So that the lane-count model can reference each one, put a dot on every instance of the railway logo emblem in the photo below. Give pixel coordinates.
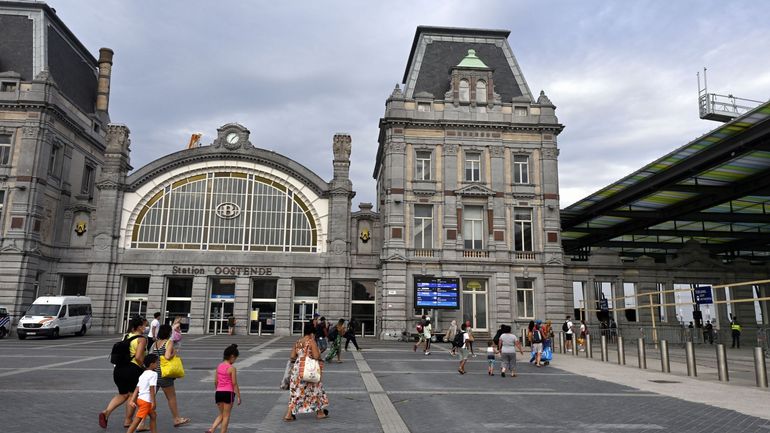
(228, 211)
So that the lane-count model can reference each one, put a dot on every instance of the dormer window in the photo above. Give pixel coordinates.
(465, 91)
(481, 92)
(8, 86)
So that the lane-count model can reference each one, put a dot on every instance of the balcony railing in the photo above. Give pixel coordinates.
(476, 254)
(524, 256)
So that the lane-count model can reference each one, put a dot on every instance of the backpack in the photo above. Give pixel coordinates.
(458, 340)
(419, 328)
(536, 336)
(333, 333)
(565, 327)
(121, 351)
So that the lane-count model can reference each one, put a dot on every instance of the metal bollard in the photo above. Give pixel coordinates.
(575, 351)
(363, 330)
(621, 352)
(689, 350)
(589, 347)
(561, 343)
(722, 363)
(605, 350)
(523, 336)
(641, 354)
(665, 365)
(259, 331)
(760, 370)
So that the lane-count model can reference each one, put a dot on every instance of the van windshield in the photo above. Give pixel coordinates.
(43, 310)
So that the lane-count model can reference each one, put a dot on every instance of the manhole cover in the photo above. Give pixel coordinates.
(665, 381)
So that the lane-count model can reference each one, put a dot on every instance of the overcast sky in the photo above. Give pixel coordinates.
(622, 74)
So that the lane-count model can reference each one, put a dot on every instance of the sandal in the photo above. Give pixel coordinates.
(182, 422)
(461, 371)
(102, 420)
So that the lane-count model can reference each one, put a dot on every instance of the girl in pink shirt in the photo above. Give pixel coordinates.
(226, 383)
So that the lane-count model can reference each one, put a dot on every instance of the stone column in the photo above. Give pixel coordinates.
(283, 309)
(394, 302)
(199, 306)
(242, 304)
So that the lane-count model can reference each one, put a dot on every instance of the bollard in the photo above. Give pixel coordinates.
(760, 370)
(363, 330)
(665, 365)
(722, 363)
(641, 354)
(605, 350)
(621, 352)
(523, 336)
(575, 350)
(689, 350)
(561, 343)
(589, 347)
(259, 331)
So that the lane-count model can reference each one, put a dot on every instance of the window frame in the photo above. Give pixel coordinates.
(418, 162)
(464, 94)
(87, 183)
(529, 298)
(471, 170)
(55, 158)
(423, 223)
(481, 92)
(520, 224)
(9, 150)
(521, 168)
(470, 237)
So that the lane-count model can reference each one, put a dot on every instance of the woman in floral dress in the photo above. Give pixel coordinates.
(305, 397)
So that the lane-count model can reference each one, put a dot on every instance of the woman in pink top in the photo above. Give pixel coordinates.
(226, 383)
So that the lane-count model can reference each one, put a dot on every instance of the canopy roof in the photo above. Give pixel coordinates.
(714, 190)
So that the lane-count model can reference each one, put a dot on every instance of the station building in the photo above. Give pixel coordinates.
(467, 187)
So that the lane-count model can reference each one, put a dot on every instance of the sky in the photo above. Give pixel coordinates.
(622, 74)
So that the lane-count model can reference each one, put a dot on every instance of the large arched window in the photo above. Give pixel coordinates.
(465, 91)
(481, 92)
(230, 210)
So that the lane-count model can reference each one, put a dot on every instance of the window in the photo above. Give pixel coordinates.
(422, 170)
(263, 305)
(2, 204)
(473, 167)
(74, 285)
(363, 307)
(87, 185)
(525, 298)
(472, 227)
(8, 86)
(522, 229)
(629, 301)
(179, 300)
(520, 169)
(481, 92)
(5, 149)
(423, 106)
(305, 288)
(423, 226)
(519, 111)
(662, 301)
(465, 91)
(53, 160)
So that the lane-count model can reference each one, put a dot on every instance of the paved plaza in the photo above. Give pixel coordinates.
(61, 385)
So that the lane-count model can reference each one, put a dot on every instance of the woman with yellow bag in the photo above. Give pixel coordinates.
(169, 369)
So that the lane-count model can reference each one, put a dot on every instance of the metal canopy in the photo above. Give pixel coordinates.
(714, 190)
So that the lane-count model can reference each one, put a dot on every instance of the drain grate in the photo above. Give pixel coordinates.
(665, 381)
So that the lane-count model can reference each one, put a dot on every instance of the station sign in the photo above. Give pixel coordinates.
(703, 295)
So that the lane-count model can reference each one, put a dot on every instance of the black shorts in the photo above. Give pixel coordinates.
(227, 397)
(126, 377)
(568, 337)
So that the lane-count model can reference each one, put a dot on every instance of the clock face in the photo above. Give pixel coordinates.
(232, 138)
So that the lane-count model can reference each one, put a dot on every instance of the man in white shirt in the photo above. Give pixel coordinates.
(568, 333)
(154, 326)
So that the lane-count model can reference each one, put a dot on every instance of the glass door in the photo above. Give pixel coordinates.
(220, 310)
(302, 313)
(474, 306)
(133, 307)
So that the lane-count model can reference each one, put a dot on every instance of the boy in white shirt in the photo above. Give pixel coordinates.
(144, 395)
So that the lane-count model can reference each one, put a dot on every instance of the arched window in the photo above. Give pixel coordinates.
(465, 91)
(234, 211)
(481, 92)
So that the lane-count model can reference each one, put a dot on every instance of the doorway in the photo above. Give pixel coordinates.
(221, 305)
(475, 303)
(136, 291)
(133, 307)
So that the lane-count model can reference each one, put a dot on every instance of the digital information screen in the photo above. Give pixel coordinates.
(431, 292)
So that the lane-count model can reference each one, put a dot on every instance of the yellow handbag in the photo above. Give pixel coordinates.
(171, 368)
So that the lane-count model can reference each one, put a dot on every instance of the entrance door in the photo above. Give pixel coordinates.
(219, 311)
(133, 307)
(475, 304)
(302, 313)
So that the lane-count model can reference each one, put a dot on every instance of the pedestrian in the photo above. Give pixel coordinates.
(736, 329)
(154, 325)
(164, 347)
(321, 334)
(450, 337)
(491, 351)
(231, 325)
(469, 334)
(420, 328)
(427, 334)
(305, 397)
(126, 373)
(583, 334)
(335, 341)
(144, 395)
(176, 333)
(227, 390)
(465, 351)
(566, 327)
(613, 330)
(708, 332)
(507, 347)
(537, 337)
(350, 334)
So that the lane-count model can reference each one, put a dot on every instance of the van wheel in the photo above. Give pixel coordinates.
(55, 333)
(22, 336)
(82, 331)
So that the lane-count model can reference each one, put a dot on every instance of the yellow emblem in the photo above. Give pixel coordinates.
(365, 235)
(80, 227)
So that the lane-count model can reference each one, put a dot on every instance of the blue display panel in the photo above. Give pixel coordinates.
(431, 292)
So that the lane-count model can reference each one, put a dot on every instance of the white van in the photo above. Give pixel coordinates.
(55, 315)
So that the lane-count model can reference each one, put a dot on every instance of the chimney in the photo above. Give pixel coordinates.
(105, 72)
